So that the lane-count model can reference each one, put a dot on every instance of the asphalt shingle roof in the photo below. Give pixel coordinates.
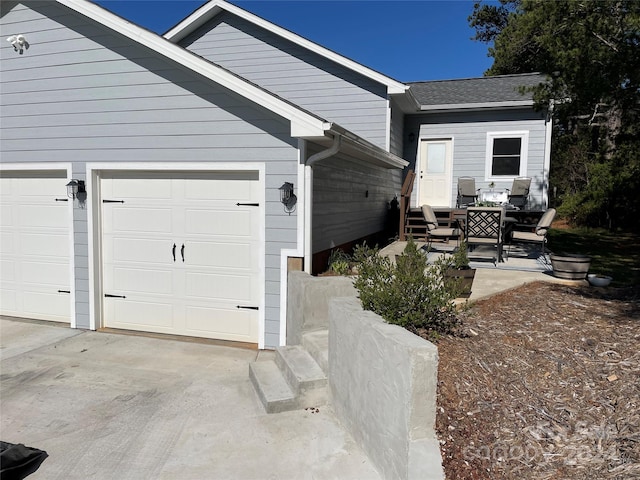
(482, 90)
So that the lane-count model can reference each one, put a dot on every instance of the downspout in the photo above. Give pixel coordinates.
(547, 158)
(313, 159)
(324, 154)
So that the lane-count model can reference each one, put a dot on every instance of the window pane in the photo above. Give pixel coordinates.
(436, 158)
(506, 166)
(506, 146)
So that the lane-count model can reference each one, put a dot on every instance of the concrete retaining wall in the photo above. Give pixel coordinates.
(308, 302)
(382, 382)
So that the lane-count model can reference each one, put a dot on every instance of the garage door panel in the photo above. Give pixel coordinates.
(147, 220)
(219, 323)
(38, 304)
(141, 250)
(37, 189)
(237, 256)
(6, 243)
(222, 287)
(52, 274)
(155, 189)
(136, 315)
(6, 216)
(225, 189)
(43, 216)
(52, 245)
(8, 299)
(140, 280)
(221, 222)
(8, 273)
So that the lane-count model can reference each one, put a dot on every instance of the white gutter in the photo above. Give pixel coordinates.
(308, 196)
(471, 106)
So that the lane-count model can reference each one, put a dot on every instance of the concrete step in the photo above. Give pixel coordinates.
(291, 380)
(303, 374)
(317, 344)
(272, 388)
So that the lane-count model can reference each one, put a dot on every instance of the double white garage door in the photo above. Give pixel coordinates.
(180, 253)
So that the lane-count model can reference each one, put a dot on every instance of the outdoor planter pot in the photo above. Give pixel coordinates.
(599, 280)
(570, 266)
(462, 278)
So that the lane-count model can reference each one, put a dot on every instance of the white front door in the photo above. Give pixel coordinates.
(34, 247)
(434, 174)
(180, 254)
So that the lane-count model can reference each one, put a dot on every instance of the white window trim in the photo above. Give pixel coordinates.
(491, 136)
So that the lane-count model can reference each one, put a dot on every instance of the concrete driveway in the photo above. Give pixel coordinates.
(108, 406)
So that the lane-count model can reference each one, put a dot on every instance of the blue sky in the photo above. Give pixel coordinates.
(406, 40)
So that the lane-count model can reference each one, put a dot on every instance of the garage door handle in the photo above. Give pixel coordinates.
(173, 251)
(182, 252)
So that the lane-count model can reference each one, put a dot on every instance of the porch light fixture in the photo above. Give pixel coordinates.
(74, 187)
(287, 197)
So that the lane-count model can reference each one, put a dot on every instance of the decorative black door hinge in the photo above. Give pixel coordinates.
(64, 291)
(112, 201)
(62, 199)
(247, 308)
(108, 295)
(247, 204)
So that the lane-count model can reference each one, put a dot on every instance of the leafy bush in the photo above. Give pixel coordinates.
(410, 293)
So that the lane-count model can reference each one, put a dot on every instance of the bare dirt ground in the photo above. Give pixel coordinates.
(543, 383)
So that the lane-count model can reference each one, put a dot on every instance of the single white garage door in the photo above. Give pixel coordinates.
(181, 254)
(34, 246)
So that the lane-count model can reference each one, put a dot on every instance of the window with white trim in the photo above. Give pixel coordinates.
(506, 155)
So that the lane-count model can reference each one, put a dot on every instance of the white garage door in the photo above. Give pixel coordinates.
(181, 254)
(34, 247)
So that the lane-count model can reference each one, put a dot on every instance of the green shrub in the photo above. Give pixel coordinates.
(410, 293)
(340, 262)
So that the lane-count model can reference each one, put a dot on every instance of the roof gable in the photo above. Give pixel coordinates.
(213, 8)
(303, 123)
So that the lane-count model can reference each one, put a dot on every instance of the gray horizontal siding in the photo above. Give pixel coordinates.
(292, 72)
(342, 211)
(83, 94)
(469, 134)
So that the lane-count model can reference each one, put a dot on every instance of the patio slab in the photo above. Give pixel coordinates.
(523, 265)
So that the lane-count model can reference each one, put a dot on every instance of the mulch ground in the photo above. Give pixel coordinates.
(543, 383)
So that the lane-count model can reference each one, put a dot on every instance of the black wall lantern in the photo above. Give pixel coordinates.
(287, 197)
(74, 187)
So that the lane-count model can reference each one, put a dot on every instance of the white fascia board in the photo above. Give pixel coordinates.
(301, 121)
(211, 9)
(367, 151)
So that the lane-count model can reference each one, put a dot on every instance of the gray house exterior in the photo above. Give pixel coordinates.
(184, 144)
